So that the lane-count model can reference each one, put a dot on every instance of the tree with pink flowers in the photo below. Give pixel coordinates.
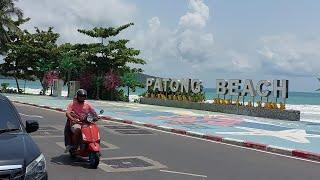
(47, 80)
(111, 81)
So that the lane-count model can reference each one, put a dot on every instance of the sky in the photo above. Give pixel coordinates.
(201, 39)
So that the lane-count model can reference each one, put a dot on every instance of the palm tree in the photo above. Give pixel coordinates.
(8, 11)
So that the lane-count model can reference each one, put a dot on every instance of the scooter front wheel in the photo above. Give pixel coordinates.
(94, 159)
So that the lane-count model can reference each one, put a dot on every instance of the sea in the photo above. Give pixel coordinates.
(306, 102)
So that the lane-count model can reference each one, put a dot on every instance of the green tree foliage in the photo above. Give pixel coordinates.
(16, 63)
(44, 52)
(112, 56)
(29, 56)
(70, 62)
(130, 81)
(4, 87)
(10, 18)
(100, 32)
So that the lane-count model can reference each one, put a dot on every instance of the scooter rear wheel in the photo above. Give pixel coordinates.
(94, 159)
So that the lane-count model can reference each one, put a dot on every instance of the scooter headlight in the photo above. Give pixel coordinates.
(36, 169)
(90, 118)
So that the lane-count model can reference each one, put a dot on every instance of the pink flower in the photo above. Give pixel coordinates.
(111, 81)
(49, 77)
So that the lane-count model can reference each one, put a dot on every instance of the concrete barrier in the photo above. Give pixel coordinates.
(291, 115)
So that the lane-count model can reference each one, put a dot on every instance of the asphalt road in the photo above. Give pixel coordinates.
(159, 155)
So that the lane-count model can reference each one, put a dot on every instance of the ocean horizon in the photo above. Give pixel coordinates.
(295, 98)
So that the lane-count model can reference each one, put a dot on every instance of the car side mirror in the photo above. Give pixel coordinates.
(32, 126)
(101, 111)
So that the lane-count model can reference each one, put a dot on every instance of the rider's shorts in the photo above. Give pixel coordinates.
(75, 127)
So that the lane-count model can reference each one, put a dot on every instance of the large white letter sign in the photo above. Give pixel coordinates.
(185, 85)
(174, 85)
(149, 82)
(283, 88)
(234, 87)
(195, 86)
(165, 82)
(221, 87)
(248, 88)
(158, 85)
(259, 88)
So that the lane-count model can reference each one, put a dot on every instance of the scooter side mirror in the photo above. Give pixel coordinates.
(101, 111)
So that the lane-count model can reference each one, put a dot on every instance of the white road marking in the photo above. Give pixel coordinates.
(267, 152)
(116, 168)
(188, 174)
(31, 115)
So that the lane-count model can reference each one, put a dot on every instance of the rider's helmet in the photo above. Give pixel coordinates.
(81, 95)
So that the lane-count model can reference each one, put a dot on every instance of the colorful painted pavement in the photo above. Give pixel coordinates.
(301, 135)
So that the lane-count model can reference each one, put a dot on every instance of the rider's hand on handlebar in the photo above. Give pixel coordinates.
(75, 120)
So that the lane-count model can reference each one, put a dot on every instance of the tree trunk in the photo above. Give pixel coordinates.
(68, 82)
(98, 88)
(17, 84)
(128, 93)
(24, 88)
(98, 92)
(43, 88)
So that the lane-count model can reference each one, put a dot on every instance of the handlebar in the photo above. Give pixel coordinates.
(95, 117)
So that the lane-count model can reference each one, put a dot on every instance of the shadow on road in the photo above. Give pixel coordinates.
(65, 159)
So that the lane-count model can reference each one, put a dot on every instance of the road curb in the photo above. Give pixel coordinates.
(255, 145)
(279, 150)
(213, 138)
(127, 121)
(195, 134)
(306, 155)
(232, 141)
(179, 131)
(252, 145)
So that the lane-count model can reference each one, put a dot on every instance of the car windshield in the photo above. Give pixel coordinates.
(8, 117)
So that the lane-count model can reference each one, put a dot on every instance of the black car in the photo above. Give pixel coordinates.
(20, 157)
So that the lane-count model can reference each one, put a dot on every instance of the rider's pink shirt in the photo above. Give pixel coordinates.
(80, 109)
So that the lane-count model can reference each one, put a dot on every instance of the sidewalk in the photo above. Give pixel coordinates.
(276, 135)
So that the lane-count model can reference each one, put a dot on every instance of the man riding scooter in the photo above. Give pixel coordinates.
(81, 129)
(76, 112)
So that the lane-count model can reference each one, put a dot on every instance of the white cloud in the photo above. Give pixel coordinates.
(290, 54)
(154, 23)
(188, 49)
(197, 16)
(177, 50)
(240, 61)
(66, 16)
(188, 45)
